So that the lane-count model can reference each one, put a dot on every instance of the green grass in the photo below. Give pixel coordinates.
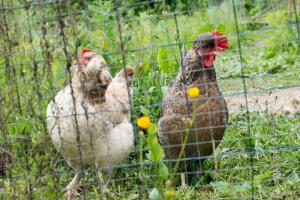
(275, 166)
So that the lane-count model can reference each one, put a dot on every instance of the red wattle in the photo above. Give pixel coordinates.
(209, 60)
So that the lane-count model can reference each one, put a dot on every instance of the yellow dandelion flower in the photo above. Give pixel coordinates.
(143, 122)
(193, 92)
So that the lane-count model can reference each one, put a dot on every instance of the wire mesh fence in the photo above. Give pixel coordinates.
(225, 131)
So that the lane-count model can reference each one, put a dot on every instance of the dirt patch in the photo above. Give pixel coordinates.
(275, 101)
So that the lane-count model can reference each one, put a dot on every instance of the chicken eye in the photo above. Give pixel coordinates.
(205, 46)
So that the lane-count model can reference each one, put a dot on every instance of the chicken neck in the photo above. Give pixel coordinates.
(96, 96)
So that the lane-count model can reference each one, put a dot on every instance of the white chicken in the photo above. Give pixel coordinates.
(89, 120)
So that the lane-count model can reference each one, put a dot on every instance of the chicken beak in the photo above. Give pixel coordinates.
(105, 78)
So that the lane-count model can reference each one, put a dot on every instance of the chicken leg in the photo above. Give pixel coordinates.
(73, 186)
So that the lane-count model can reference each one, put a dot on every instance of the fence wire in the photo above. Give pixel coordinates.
(47, 101)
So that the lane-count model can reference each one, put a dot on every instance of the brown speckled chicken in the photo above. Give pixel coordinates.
(197, 70)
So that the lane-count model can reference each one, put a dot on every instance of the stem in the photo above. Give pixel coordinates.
(141, 150)
(187, 131)
(141, 146)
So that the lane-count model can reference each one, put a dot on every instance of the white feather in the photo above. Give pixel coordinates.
(104, 131)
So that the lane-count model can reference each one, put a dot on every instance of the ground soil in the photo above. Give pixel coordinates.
(276, 101)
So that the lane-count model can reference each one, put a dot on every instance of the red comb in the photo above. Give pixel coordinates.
(84, 51)
(221, 42)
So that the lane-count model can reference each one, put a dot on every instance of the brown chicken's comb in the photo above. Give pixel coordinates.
(220, 41)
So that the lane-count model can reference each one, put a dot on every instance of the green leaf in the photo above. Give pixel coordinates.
(156, 153)
(221, 28)
(145, 111)
(163, 171)
(163, 60)
(152, 141)
(206, 28)
(267, 174)
(152, 129)
(21, 127)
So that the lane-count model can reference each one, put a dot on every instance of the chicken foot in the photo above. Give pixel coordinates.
(73, 186)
